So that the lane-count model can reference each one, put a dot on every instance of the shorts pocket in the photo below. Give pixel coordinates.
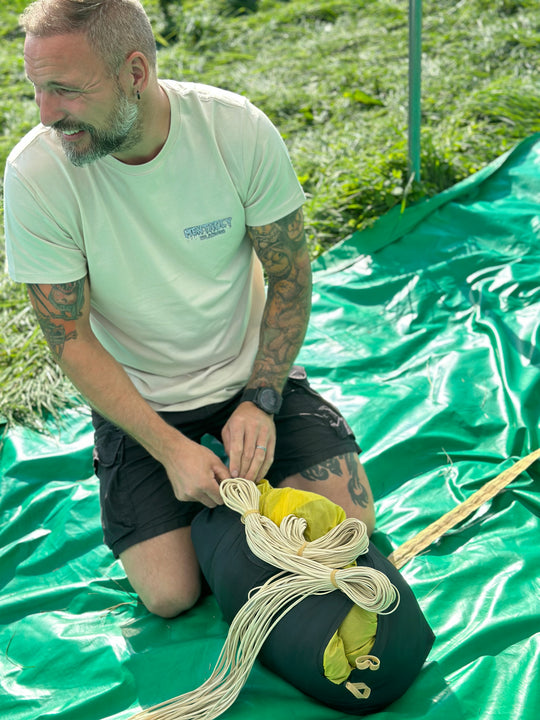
(108, 448)
(117, 512)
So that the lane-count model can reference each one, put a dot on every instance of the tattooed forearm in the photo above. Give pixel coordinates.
(282, 249)
(57, 308)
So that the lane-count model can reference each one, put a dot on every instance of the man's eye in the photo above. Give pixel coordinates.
(68, 92)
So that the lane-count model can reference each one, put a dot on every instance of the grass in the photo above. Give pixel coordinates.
(332, 75)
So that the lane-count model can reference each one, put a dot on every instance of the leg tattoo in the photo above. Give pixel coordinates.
(324, 470)
(334, 466)
(357, 491)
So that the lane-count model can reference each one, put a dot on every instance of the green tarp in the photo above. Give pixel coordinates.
(431, 347)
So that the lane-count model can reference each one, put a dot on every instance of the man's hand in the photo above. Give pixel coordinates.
(249, 438)
(195, 472)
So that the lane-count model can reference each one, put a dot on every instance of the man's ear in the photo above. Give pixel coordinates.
(135, 73)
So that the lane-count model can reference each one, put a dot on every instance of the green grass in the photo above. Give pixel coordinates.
(332, 75)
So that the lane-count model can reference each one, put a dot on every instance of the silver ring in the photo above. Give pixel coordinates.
(260, 447)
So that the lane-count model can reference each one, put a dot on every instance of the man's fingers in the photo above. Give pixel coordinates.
(268, 460)
(207, 493)
(261, 460)
(236, 452)
(249, 439)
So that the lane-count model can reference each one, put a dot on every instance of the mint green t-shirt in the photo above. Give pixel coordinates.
(177, 292)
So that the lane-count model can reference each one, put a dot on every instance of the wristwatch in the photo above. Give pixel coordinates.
(265, 398)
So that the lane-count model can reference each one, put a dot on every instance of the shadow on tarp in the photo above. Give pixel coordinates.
(425, 332)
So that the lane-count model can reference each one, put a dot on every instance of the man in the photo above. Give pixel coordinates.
(139, 213)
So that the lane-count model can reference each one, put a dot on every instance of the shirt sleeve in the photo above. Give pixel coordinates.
(273, 190)
(38, 249)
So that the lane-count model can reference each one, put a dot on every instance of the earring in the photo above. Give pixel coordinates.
(138, 95)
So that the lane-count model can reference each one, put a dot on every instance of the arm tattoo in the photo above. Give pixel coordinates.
(282, 250)
(57, 308)
(334, 466)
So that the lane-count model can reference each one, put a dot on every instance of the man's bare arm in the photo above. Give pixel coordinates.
(282, 249)
(249, 435)
(63, 312)
(58, 307)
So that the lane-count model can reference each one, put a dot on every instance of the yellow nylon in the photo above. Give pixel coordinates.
(321, 514)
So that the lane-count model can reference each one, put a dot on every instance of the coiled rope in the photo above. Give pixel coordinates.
(308, 568)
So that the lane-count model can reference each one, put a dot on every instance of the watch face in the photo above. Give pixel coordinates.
(269, 400)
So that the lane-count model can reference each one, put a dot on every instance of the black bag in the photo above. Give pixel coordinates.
(295, 648)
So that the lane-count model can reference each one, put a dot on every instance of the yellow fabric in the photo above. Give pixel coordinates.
(321, 514)
(353, 638)
(356, 634)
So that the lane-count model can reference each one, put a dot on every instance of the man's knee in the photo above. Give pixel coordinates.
(164, 572)
(168, 603)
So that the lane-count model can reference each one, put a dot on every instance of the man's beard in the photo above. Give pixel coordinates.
(123, 132)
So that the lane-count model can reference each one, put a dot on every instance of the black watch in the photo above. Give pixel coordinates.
(265, 398)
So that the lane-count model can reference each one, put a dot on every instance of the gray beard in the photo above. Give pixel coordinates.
(124, 132)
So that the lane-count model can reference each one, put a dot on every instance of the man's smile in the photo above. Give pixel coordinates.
(72, 134)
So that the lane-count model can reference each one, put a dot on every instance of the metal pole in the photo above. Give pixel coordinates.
(415, 83)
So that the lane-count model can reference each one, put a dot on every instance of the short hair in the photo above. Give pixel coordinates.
(114, 28)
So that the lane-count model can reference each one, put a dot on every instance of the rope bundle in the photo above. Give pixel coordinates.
(321, 559)
(316, 567)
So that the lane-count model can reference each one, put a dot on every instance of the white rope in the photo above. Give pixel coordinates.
(318, 570)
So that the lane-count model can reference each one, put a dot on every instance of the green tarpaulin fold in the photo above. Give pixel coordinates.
(426, 333)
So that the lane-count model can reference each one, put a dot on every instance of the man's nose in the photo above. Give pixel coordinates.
(50, 110)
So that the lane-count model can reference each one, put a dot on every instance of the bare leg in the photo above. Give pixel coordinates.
(343, 480)
(164, 572)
